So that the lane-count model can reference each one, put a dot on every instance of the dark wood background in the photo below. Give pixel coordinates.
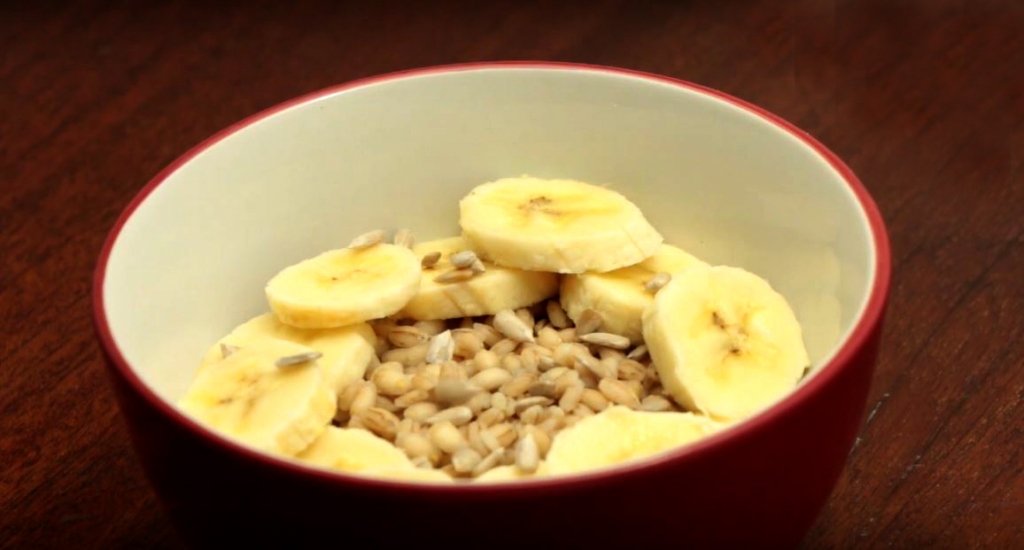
(922, 98)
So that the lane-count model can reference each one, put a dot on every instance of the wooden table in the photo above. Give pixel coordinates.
(924, 99)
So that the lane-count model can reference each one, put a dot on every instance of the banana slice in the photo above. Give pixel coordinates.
(508, 473)
(359, 451)
(562, 226)
(486, 293)
(347, 351)
(344, 287)
(724, 342)
(409, 474)
(250, 399)
(620, 296)
(618, 435)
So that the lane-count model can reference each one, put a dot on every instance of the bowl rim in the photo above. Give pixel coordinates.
(870, 317)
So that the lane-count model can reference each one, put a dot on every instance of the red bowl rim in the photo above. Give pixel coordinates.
(870, 317)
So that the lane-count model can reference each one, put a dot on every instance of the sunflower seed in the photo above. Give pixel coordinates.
(366, 240)
(638, 353)
(404, 237)
(226, 350)
(618, 392)
(454, 276)
(441, 349)
(658, 281)
(298, 359)
(509, 324)
(463, 259)
(477, 266)
(430, 259)
(606, 339)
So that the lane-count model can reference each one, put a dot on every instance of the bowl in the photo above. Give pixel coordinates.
(723, 179)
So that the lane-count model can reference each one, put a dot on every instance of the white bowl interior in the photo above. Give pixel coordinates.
(715, 179)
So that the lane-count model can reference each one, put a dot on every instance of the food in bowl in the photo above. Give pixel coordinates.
(556, 335)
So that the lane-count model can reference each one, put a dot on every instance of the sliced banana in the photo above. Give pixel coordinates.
(344, 287)
(359, 451)
(248, 398)
(347, 351)
(621, 296)
(484, 293)
(724, 342)
(556, 225)
(618, 435)
(409, 474)
(503, 474)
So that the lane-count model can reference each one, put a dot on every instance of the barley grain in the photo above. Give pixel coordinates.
(489, 461)
(568, 335)
(411, 398)
(594, 399)
(606, 339)
(467, 343)
(381, 422)
(446, 436)
(386, 404)
(556, 315)
(491, 417)
(485, 359)
(618, 392)
(505, 434)
(504, 347)
(407, 336)
(479, 402)
(364, 399)
(465, 459)
(391, 383)
(631, 370)
(571, 398)
(420, 412)
(417, 445)
(655, 403)
(518, 385)
(432, 327)
(487, 333)
(511, 363)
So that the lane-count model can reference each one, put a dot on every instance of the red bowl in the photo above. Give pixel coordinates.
(187, 259)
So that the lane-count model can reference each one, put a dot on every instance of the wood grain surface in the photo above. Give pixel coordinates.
(924, 99)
